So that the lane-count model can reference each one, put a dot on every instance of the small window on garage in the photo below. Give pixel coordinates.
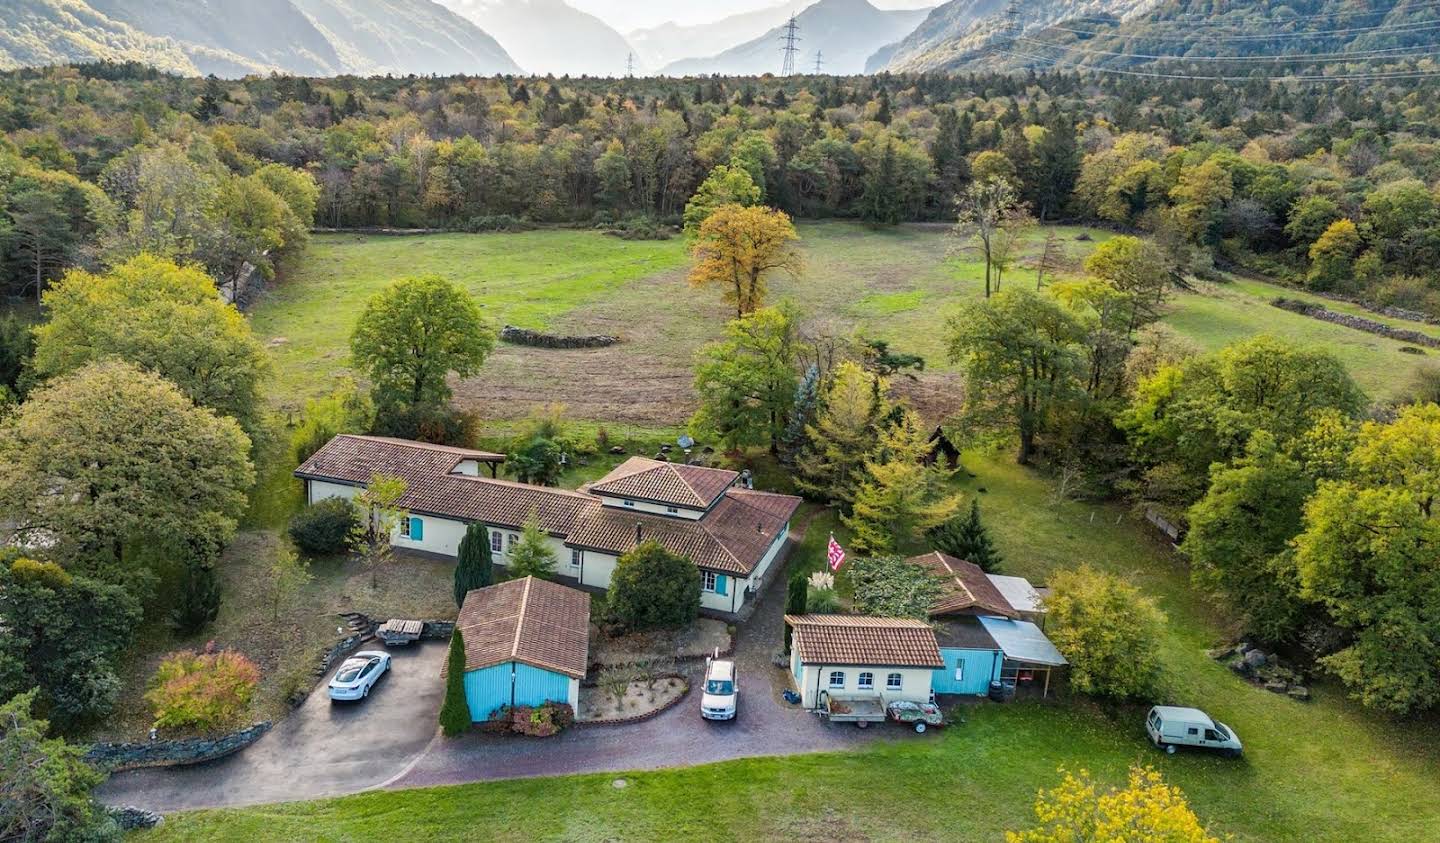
(867, 680)
(837, 678)
(893, 682)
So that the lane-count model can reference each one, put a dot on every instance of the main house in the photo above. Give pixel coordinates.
(731, 532)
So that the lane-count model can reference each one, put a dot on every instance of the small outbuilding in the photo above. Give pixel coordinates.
(527, 642)
(1030, 657)
(855, 655)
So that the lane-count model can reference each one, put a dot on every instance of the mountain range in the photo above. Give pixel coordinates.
(660, 45)
(230, 38)
(551, 36)
(844, 32)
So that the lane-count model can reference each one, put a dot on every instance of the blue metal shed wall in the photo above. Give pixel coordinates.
(487, 689)
(980, 667)
(534, 686)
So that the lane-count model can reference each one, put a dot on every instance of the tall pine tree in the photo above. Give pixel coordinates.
(966, 538)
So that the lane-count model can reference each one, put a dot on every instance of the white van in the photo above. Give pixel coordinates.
(722, 692)
(1171, 726)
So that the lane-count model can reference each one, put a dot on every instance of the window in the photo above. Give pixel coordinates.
(1211, 735)
(1192, 731)
(628, 502)
(959, 670)
(574, 558)
(405, 527)
(673, 510)
(867, 680)
(497, 542)
(511, 544)
(707, 580)
(837, 678)
(892, 682)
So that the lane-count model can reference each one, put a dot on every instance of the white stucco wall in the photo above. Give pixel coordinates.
(320, 490)
(574, 694)
(914, 682)
(651, 508)
(437, 535)
(598, 569)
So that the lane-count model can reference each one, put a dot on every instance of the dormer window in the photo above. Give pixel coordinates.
(673, 510)
(629, 503)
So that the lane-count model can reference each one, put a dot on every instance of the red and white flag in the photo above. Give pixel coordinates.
(835, 553)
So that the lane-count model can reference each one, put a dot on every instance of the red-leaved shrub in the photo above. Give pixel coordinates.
(203, 691)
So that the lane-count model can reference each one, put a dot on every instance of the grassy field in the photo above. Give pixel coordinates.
(898, 285)
(1325, 770)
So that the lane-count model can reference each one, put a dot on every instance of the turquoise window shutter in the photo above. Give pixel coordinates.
(720, 583)
(417, 530)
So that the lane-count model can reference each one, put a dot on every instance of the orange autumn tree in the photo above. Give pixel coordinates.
(738, 248)
(1146, 810)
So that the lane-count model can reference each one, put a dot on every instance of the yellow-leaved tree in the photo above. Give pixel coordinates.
(1145, 810)
(739, 248)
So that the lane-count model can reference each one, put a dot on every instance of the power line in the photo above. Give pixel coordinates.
(1347, 55)
(818, 62)
(1418, 26)
(790, 39)
(630, 64)
(1346, 77)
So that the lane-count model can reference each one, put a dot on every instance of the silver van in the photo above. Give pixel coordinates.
(1171, 726)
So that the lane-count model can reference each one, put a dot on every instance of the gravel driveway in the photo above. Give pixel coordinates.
(675, 738)
(321, 749)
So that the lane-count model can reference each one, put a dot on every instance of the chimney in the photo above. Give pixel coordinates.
(760, 528)
(638, 532)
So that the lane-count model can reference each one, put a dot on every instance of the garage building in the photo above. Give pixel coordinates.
(856, 655)
(526, 644)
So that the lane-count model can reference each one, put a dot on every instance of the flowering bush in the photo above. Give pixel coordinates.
(204, 691)
(1145, 809)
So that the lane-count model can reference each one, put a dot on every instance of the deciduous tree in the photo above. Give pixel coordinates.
(109, 455)
(414, 334)
(725, 185)
(1109, 632)
(1146, 810)
(377, 516)
(163, 318)
(738, 249)
(891, 587)
(747, 382)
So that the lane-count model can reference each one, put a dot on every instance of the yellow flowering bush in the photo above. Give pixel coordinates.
(1146, 810)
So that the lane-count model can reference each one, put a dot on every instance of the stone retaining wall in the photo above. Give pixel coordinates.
(1359, 323)
(536, 339)
(617, 721)
(114, 757)
(437, 630)
(130, 818)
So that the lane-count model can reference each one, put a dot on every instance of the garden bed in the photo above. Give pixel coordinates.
(696, 641)
(643, 698)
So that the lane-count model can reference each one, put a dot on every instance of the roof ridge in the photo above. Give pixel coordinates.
(959, 581)
(520, 622)
(415, 443)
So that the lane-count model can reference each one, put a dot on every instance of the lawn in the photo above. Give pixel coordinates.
(896, 284)
(1325, 770)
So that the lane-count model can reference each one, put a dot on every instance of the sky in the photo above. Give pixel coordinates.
(627, 15)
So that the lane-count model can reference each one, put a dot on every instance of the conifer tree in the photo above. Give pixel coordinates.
(532, 555)
(900, 496)
(844, 433)
(455, 715)
(474, 567)
(966, 538)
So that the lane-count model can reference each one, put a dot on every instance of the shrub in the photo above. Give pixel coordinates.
(541, 721)
(1145, 809)
(474, 567)
(822, 601)
(890, 587)
(204, 691)
(323, 528)
(455, 715)
(198, 603)
(495, 222)
(436, 424)
(45, 783)
(346, 410)
(1109, 632)
(653, 588)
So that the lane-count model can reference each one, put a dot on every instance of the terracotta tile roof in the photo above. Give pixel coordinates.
(663, 482)
(533, 621)
(732, 538)
(863, 640)
(430, 488)
(966, 588)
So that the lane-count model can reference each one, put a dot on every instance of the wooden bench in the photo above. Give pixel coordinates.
(397, 632)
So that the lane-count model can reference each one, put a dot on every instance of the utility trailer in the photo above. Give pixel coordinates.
(860, 709)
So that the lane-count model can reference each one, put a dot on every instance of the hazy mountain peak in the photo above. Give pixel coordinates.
(550, 36)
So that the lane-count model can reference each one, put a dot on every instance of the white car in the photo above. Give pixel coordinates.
(722, 693)
(358, 675)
